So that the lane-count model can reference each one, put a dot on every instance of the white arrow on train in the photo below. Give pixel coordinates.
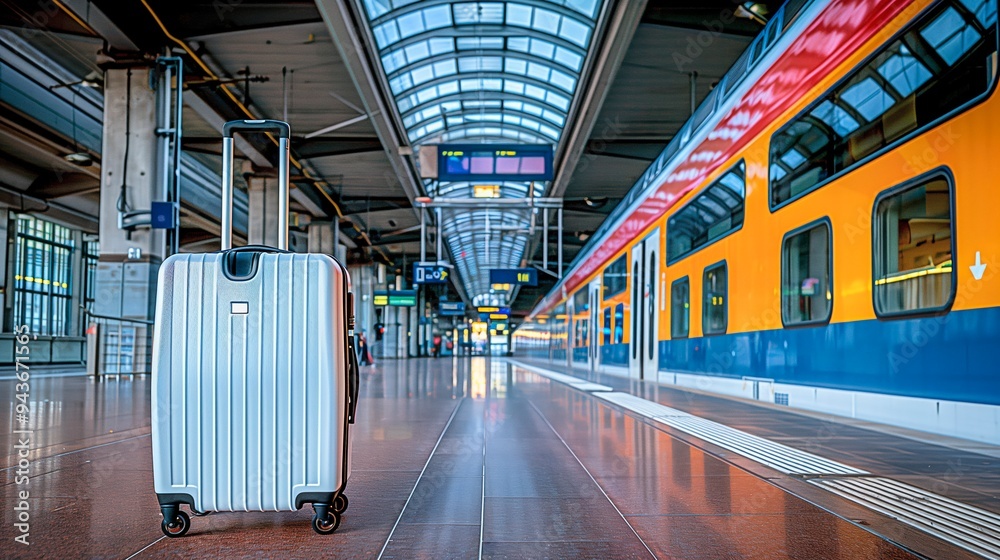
(978, 269)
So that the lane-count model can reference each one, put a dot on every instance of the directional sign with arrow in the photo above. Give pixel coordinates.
(978, 269)
(430, 274)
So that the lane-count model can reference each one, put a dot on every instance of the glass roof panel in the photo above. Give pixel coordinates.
(479, 43)
(481, 13)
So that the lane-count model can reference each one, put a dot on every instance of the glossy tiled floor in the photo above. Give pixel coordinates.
(453, 458)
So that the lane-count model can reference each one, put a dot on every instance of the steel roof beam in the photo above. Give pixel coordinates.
(477, 96)
(424, 4)
(488, 203)
(357, 49)
(480, 30)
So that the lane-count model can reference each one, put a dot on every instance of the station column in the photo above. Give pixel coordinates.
(323, 239)
(129, 256)
(262, 226)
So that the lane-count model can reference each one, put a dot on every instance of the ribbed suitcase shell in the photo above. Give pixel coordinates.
(250, 408)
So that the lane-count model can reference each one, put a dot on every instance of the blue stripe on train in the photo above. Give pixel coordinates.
(614, 354)
(950, 357)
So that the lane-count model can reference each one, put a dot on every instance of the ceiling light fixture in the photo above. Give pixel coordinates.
(753, 10)
(82, 159)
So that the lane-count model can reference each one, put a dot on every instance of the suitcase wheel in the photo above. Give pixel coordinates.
(178, 526)
(326, 519)
(340, 503)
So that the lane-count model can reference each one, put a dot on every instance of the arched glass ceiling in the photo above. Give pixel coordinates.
(483, 72)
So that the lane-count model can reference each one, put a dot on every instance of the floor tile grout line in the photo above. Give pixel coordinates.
(422, 471)
(586, 470)
(482, 506)
(145, 548)
(37, 459)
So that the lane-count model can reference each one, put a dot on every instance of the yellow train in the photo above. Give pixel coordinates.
(822, 233)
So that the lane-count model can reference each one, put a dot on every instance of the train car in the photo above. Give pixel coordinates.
(821, 233)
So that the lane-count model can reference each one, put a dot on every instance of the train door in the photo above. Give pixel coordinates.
(577, 329)
(594, 350)
(644, 278)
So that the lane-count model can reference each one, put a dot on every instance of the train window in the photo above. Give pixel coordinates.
(704, 110)
(942, 62)
(806, 291)
(792, 9)
(619, 323)
(737, 72)
(606, 332)
(711, 215)
(680, 308)
(913, 248)
(715, 287)
(615, 278)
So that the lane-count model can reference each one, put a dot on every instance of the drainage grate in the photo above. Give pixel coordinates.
(781, 398)
(775, 455)
(963, 525)
(642, 407)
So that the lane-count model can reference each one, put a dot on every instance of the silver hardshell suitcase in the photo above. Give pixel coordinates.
(254, 373)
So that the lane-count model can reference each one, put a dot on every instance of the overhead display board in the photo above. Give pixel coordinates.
(451, 309)
(523, 276)
(493, 309)
(495, 162)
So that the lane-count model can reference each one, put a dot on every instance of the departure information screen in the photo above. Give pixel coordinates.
(494, 162)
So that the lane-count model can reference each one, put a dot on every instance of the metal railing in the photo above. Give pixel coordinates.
(118, 346)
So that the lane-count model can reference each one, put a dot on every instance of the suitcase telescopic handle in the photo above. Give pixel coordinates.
(228, 130)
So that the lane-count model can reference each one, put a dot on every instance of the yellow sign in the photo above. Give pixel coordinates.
(486, 191)
(453, 153)
(487, 309)
(382, 300)
(501, 286)
(499, 316)
(523, 277)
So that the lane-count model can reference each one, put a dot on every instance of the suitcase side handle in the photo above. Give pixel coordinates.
(353, 369)
(230, 128)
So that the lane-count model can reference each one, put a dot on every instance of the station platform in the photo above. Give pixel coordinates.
(500, 458)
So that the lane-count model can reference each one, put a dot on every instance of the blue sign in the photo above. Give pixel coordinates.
(162, 215)
(430, 274)
(495, 162)
(451, 309)
(525, 276)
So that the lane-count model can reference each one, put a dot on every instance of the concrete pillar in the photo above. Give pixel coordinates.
(262, 226)
(6, 283)
(126, 271)
(412, 331)
(322, 238)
